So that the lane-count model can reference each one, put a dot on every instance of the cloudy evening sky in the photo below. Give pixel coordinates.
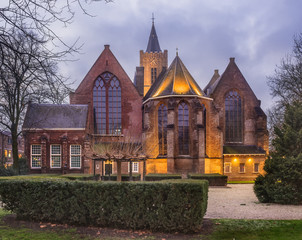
(207, 33)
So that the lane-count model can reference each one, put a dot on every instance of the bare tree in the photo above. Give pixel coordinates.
(39, 16)
(286, 84)
(30, 48)
(26, 77)
(125, 150)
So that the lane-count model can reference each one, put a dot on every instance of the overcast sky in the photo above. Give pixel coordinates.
(207, 33)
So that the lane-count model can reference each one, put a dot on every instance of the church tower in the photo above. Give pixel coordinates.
(152, 62)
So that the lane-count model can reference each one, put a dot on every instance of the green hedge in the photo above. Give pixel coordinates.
(215, 179)
(157, 206)
(159, 176)
(81, 177)
(125, 177)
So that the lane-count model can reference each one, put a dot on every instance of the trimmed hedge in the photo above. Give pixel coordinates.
(125, 177)
(215, 179)
(81, 177)
(158, 206)
(159, 176)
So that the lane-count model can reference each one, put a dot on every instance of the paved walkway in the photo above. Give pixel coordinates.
(238, 201)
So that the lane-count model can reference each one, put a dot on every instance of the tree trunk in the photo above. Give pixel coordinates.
(15, 150)
(119, 171)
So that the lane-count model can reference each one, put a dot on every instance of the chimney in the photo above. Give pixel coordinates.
(106, 46)
(232, 59)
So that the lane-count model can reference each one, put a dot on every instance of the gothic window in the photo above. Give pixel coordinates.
(233, 118)
(107, 105)
(153, 75)
(162, 129)
(183, 129)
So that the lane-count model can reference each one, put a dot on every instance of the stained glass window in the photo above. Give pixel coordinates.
(162, 129)
(183, 129)
(107, 105)
(233, 118)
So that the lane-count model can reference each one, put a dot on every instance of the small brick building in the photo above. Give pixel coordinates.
(220, 129)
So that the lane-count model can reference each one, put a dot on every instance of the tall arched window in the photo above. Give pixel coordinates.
(107, 105)
(233, 118)
(162, 129)
(183, 129)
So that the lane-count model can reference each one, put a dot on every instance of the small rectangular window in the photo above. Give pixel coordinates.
(55, 156)
(242, 167)
(135, 167)
(75, 156)
(36, 153)
(227, 167)
(256, 167)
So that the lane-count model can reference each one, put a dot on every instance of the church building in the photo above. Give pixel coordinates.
(184, 128)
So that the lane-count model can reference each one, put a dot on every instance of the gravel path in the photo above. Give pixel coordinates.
(238, 201)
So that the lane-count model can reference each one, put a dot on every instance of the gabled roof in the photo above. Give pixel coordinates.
(175, 81)
(153, 44)
(213, 82)
(56, 116)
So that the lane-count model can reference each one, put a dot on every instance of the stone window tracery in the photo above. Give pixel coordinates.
(162, 129)
(183, 129)
(107, 105)
(233, 118)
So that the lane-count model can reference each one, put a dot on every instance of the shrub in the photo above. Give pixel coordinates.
(7, 171)
(125, 177)
(157, 206)
(215, 179)
(81, 177)
(161, 176)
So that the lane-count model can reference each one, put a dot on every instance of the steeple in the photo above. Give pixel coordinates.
(153, 44)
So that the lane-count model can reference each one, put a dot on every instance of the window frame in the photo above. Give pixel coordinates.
(233, 108)
(186, 130)
(107, 115)
(230, 166)
(163, 141)
(133, 164)
(240, 164)
(153, 75)
(75, 155)
(31, 156)
(55, 155)
(258, 164)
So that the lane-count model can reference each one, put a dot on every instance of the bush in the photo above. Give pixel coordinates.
(7, 171)
(215, 179)
(157, 206)
(125, 177)
(81, 177)
(159, 176)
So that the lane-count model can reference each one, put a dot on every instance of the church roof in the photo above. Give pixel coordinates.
(56, 116)
(213, 83)
(153, 44)
(175, 81)
(243, 150)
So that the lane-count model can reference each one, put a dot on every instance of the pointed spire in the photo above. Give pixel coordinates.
(153, 44)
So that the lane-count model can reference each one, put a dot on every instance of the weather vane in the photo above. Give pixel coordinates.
(152, 18)
(176, 51)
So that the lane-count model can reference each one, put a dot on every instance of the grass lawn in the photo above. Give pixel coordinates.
(221, 229)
